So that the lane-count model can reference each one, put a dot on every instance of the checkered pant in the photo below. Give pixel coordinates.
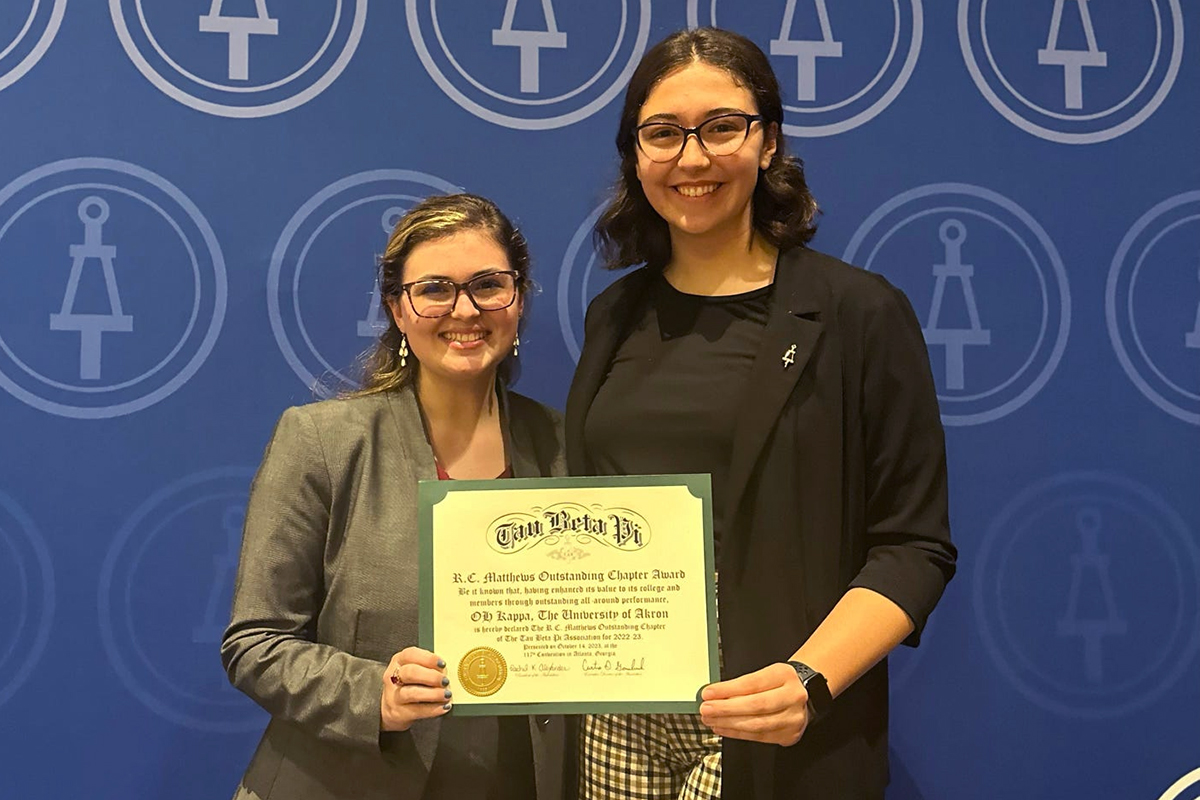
(649, 757)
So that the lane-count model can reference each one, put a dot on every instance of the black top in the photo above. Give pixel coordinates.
(672, 393)
(837, 478)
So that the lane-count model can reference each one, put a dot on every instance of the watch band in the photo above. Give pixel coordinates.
(820, 701)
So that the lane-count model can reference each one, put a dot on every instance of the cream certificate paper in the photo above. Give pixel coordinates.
(570, 595)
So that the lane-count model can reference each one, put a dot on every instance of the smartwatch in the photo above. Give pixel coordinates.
(820, 701)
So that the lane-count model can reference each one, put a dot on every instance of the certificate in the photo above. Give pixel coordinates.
(570, 595)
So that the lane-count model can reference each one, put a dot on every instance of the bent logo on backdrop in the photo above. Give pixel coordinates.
(322, 289)
(1186, 788)
(839, 64)
(580, 279)
(240, 58)
(112, 288)
(1073, 71)
(1087, 593)
(165, 590)
(988, 286)
(27, 595)
(530, 64)
(27, 29)
(1152, 305)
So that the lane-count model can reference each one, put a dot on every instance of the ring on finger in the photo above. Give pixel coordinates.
(395, 677)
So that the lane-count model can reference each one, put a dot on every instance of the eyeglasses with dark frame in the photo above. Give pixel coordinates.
(722, 135)
(437, 297)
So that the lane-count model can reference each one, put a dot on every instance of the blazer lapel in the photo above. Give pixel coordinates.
(793, 330)
(612, 313)
(518, 447)
(415, 443)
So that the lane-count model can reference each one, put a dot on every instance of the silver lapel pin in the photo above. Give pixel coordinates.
(789, 357)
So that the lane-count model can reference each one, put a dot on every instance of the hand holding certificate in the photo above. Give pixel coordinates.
(570, 595)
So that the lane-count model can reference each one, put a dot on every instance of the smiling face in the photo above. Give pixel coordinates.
(699, 194)
(466, 344)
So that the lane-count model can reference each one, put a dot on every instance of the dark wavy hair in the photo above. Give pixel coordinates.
(630, 231)
(434, 218)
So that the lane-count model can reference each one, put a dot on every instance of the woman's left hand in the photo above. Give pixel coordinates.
(770, 705)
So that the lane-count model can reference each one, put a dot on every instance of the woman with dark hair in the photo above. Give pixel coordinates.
(324, 617)
(803, 386)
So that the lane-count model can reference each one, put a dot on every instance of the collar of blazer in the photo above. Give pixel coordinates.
(793, 329)
(518, 442)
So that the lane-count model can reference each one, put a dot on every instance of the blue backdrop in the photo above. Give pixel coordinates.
(192, 195)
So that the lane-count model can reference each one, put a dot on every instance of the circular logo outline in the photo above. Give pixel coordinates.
(642, 38)
(284, 243)
(43, 44)
(36, 545)
(160, 82)
(220, 287)
(872, 111)
(195, 312)
(112, 604)
(1176, 789)
(1112, 312)
(1081, 482)
(1056, 264)
(582, 234)
(1050, 134)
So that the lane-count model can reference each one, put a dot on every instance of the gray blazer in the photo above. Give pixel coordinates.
(326, 592)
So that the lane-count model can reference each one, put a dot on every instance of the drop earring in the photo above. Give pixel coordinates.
(516, 345)
(403, 350)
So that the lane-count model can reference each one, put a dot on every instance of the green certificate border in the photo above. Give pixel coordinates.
(430, 493)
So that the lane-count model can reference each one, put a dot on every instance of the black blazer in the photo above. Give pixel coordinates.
(838, 479)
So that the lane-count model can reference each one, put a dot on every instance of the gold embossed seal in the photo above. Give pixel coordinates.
(482, 671)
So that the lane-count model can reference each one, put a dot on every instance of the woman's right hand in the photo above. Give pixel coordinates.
(414, 687)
